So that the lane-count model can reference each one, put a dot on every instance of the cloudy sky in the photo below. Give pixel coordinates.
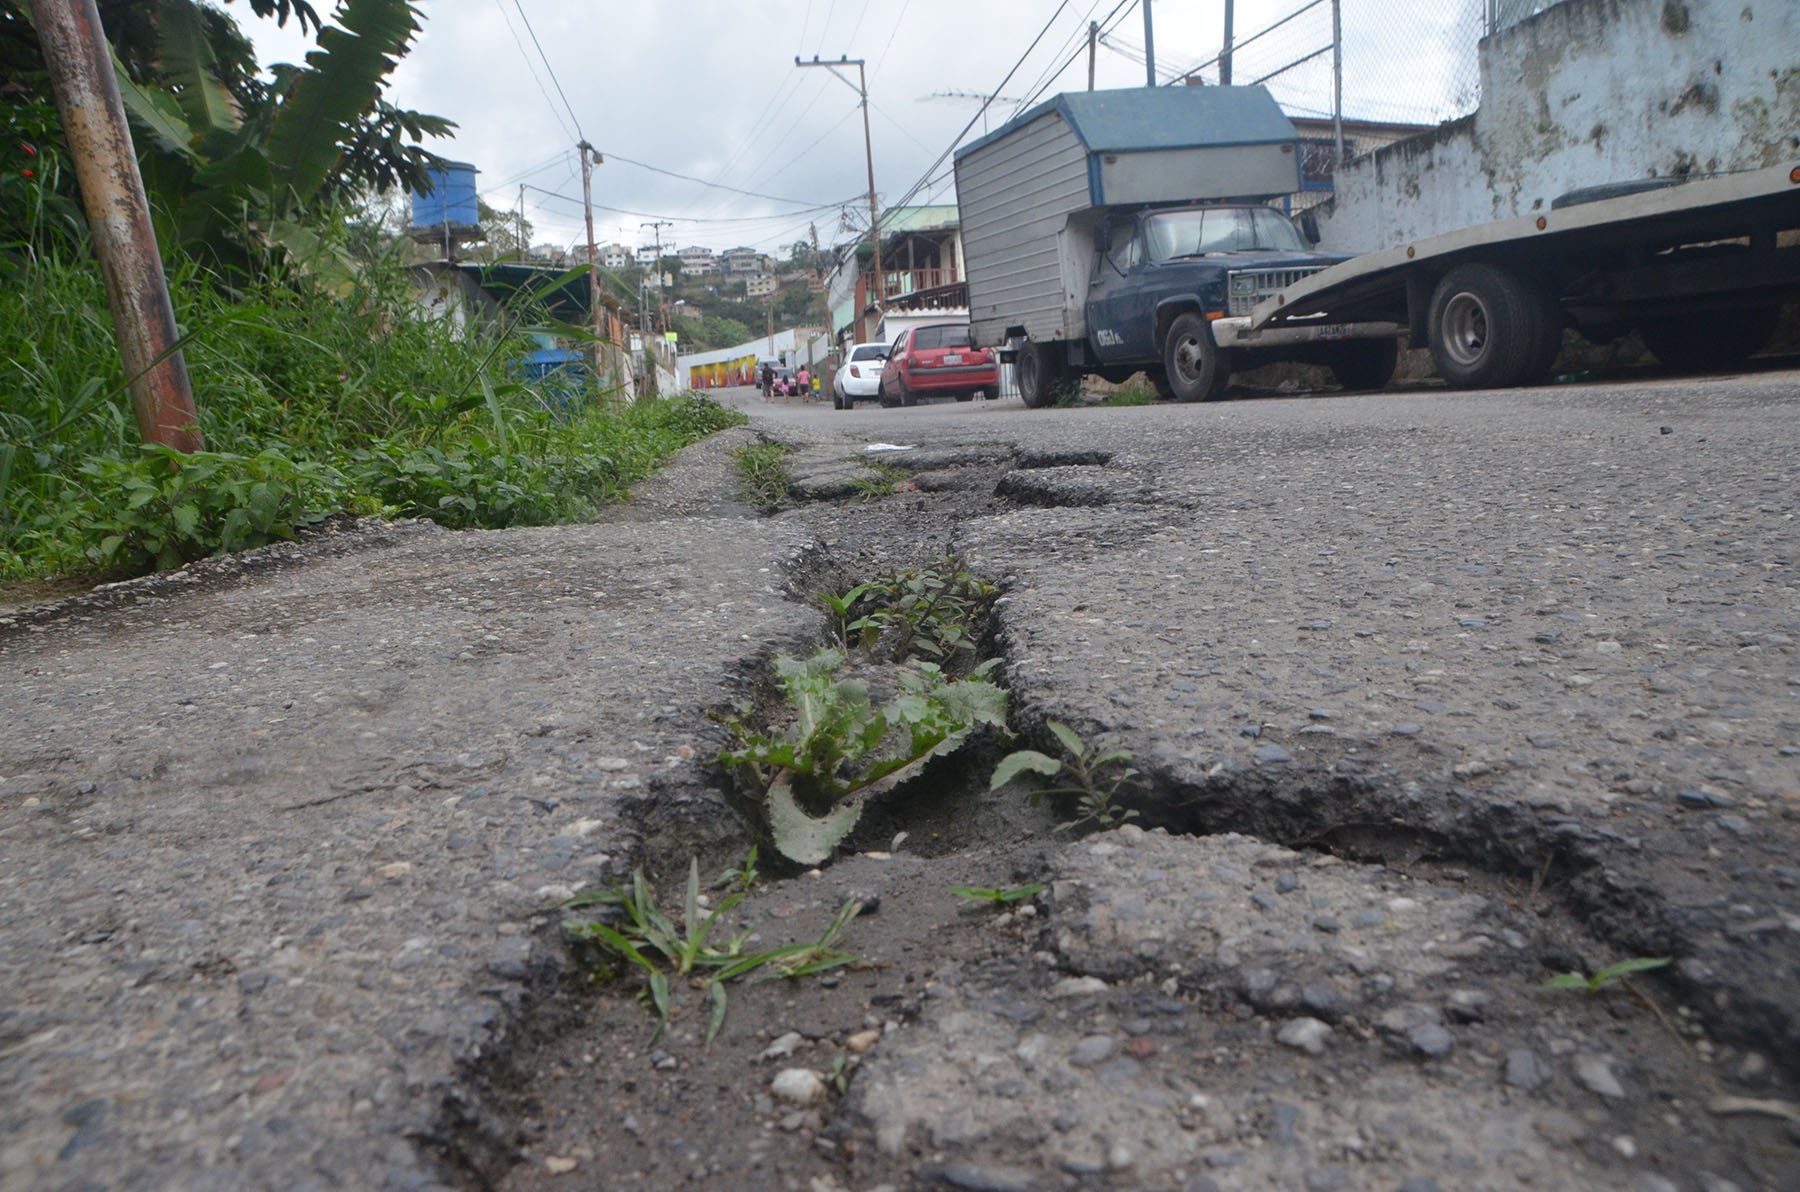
(704, 120)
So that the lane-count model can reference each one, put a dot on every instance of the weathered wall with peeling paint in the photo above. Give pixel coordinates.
(1587, 92)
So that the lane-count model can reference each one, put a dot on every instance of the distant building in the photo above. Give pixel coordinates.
(744, 260)
(759, 285)
(697, 259)
(646, 254)
(615, 256)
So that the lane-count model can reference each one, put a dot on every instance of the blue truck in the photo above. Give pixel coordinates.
(1113, 232)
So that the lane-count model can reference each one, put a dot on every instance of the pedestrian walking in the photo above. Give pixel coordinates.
(803, 379)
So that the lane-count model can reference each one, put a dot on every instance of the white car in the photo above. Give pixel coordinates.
(860, 377)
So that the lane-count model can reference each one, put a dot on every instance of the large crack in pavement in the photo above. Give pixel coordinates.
(280, 888)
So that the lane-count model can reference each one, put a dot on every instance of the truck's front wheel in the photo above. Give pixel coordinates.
(1038, 372)
(1196, 368)
(1490, 329)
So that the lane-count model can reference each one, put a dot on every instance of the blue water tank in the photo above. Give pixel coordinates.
(452, 198)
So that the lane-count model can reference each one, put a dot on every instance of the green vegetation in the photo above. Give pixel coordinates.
(743, 876)
(932, 613)
(1606, 976)
(840, 749)
(998, 896)
(1092, 776)
(1130, 395)
(642, 932)
(762, 471)
(320, 385)
(313, 401)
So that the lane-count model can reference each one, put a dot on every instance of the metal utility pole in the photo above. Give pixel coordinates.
(588, 157)
(1093, 41)
(80, 63)
(1150, 45)
(861, 86)
(1225, 54)
(1337, 82)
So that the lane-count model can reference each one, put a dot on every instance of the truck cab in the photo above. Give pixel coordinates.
(1212, 260)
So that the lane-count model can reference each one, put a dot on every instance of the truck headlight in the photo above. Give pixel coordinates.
(1242, 284)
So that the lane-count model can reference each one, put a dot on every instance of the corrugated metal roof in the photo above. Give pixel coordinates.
(1135, 119)
(937, 217)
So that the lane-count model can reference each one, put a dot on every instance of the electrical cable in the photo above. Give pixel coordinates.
(532, 70)
(703, 182)
(984, 106)
(553, 79)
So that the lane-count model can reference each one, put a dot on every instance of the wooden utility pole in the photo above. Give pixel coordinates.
(1093, 41)
(662, 312)
(861, 87)
(588, 157)
(80, 63)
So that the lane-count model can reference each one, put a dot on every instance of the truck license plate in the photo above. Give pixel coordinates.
(1334, 331)
(953, 358)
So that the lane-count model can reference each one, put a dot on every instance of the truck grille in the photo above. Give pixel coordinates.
(1247, 287)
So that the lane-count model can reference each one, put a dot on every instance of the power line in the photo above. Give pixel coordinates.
(532, 71)
(551, 69)
(696, 218)
(703, 182)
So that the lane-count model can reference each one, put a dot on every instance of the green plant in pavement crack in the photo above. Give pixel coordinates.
(934, 613)
(1606, 976)
(1093, 776)
(998, 896)
(763, 473)
(644, 937)
(841, 748)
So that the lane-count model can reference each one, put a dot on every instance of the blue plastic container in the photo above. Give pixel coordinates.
(452, 198)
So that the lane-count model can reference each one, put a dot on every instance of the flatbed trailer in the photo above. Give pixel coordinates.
(1700, 268)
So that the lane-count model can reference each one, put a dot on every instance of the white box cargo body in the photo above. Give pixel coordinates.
(1029, 191)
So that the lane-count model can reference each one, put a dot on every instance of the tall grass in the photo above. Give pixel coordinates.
(318, 393)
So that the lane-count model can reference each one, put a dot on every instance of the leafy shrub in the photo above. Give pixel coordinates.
(162, 508)
(333, 393)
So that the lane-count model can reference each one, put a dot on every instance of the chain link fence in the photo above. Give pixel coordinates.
(1404, 61)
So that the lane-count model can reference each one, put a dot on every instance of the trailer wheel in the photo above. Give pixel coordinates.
(1712, 340)
(1038, 373)
(1365, 363)
(1195, 367)
(1488, 328)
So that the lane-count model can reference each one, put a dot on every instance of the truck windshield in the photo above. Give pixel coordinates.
(1195, 231)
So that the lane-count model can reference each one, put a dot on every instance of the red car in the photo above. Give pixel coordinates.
(937, 360)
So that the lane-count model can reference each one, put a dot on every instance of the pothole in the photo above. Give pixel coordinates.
(1181, 1006)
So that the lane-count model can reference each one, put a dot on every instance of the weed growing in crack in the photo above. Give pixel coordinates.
(1092, 775)
(1606, 976)
(933, 613)
(998, 896)
(743, 877)
(887, 481)
(840, 749)
(762, 471)
(643, 931)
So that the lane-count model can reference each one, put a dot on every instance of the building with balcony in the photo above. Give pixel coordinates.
(744, 260)
(921, 271)
(697, 259)
(615, 256)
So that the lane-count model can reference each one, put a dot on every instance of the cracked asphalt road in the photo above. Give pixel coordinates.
(280, 839)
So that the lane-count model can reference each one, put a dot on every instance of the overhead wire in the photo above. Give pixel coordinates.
(551, 69)
(531, 69)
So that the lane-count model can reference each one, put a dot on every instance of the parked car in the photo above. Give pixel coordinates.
(937, 360)
(860, 377)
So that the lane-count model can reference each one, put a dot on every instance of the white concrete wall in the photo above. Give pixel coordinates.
(1584, 93)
